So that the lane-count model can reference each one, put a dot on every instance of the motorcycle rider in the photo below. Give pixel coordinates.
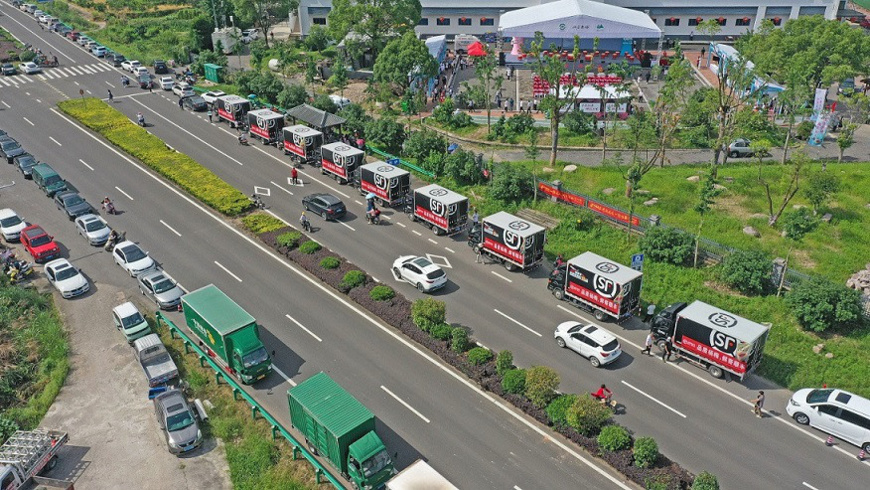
(108, 205)
(141, 119)
(303, 220)
(603, 394)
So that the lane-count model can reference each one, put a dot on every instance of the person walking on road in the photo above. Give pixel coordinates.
(758, 404)
(647, 344)
(111, 97)
(650, 311)
(294, 176)
(209, 114)
(181, 103)
(666, 350)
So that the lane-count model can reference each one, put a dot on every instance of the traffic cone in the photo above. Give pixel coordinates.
(861, 455)
(830, 441)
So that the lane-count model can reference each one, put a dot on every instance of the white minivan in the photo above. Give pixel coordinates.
(836, 412)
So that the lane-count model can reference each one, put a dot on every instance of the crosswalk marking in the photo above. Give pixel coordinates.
(76, 70)
(55, 73)
(88, 70)
(5, 82)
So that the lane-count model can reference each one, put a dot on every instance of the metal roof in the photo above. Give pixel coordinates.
(330, 404)
(507, 221)
(341, 149)
(315, 117)
(381, 167)
(266, 114)
(723, 321)
(233, 99)
(605, 267)
(565, 18)
(301, 129)
(218, 309)
(441, 194)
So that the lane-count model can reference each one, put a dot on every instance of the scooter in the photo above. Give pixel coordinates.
(109, 207)
(373, 217)
(609, 403)
(243, 140)
(258, 202)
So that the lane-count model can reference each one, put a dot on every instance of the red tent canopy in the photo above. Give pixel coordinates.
(476, 49)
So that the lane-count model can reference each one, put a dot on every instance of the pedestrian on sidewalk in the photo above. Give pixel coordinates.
(703, 52)
(758, 404)
(647, 344)
(511, 102)
(536, 105)
(650, 311)
(666, 350)
(648, 75)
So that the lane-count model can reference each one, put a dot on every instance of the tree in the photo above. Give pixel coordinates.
(747, 271)
(292, 96)
(200, 33)
(356, 118)
(263, 14)
(339, 77)
(706, 194)
(373, 22)
(491, 80)
(796, 167)
(710, 27)
(845, 139)
(421, 143)
(667, 245)
(310, 72)
(386, 134)
(533, 151)
(795, 227)
(317, 39)
(511, 183)
(463, 167)
(324, 103)
(794, 103)
(638, 132)
(550, 70)
(402, 60)
(820, 304)
(819, 188)
(736, 86)
(541, 385)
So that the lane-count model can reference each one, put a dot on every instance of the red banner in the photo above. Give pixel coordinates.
(561, 195)
(612, 213)
(602, 80)
(593, 297)
(503, 250)
(260, 132)
(291, 147)
(431, 217)
(226, 115)
(331, 167)
(368, 186)
(712, 355)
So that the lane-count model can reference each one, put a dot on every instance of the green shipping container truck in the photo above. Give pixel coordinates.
(341, 429)
(228, 332)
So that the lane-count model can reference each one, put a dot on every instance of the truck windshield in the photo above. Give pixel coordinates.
(375, 464)
(256, 357)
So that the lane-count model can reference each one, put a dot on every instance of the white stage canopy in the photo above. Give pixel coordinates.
(567, 18)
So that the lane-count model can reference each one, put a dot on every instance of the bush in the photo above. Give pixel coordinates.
(659, 482)
(262, 223)
(309, 247)
(646, 452)
(504, 362)
(442, 332)
(330, 263)
(511, 183)
(463, 166)
(557, 410)
(8, 427)
(747, 271)
(514, 381)
(386, 134)
(804, 130)
(705, 481)
(587, 415)
(459, 340)
(579, 123)
(382, 293)
(357, 119)
(289, 240)
(820, 304)
(421, 143)
(324, 103)
(428, 313)
(292, 96)
(541, 385)
(614, 438)
(797, 224)
(520, 124)
(479, 356)
(352, 279)
(667, 245)
(443, 112)
(26, 56)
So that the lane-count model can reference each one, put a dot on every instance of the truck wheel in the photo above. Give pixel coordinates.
(801, 418)
(560, 342)
(436, 230)
(51, 463)
(715, 371)
(508, 266)
(559, 294)
(599, 315)
(661, 344)
(411, 216)
(595, 362)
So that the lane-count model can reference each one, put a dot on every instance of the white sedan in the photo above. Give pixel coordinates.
(30, 68)
(93, 228)
(66, 278)
(130, 65)
(210, 97)
(133, 259)
(166, 83)
(420, 272)
(11, 225)
(183, 90)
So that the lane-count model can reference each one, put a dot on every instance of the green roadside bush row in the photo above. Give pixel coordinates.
(177, 167)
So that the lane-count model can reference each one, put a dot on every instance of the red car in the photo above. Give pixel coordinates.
(39, 244)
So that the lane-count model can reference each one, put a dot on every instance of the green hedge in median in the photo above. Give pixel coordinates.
(177, 167)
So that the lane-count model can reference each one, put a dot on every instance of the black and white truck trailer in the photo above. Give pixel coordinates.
(232, 109)
(389, 183)
(265, 125)
(590, 281)
(513, 241)
(302, 143)
(340, 161)
(442, 210)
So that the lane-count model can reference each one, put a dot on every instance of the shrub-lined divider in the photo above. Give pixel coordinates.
(638, 459)
(184, 171)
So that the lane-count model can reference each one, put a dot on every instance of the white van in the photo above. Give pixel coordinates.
(835, 412)
(462, 41)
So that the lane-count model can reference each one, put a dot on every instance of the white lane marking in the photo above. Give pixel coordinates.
(809, 486)
(43, 77)
(109, 84)
(433, 241)
(334, 189)
(416, 233)
(501, 276)
(188, 132)
(77, 83)
(125, 194)
(86, 69)
(517, 488)
(449, 250)
(28, 121)
(358, 202)
(672, 409)
(86, 165)
(89, 92)
(7, 105)
(303, 328)
(402, 225)
(170, 228)
(262, 191)
(76, 71)
(545, 435)
(275, 368)
(406, 404)
(5, 82)
(237, 278)
(518, 323)
(38, 101)
(56, 141)
(278, 186)
(346, 225)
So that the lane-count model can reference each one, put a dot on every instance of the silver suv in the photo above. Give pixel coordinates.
(740, 148)
(177, 421)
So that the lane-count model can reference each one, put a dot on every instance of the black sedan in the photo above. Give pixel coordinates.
(9, 149)
(72, 204)
(326, 205)
(8, 69)
(25, 164)
(194, 103)
(145, 81)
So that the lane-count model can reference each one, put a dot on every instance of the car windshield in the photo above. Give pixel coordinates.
(40, 240)
(27, 161)
(95, 225)
(132, 320)
(10, 221)
(9, 145)
(73, 201)
(164, 284)
(256, 357)
(180, 420)
(54, 179)
(375, 464)
(66, 273)
(819, 396)
(133, 253)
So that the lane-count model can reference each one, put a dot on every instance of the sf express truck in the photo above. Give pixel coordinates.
(340, 161)
(341, 430)
(389, 183)
(28, 453)
(265, 125)
(513, 241)
(302, 143)
(228, 333)
(232, 109)
(711, 338)
(442, 210)
(597, 284)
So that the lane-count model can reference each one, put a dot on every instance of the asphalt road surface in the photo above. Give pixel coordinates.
(701, 422)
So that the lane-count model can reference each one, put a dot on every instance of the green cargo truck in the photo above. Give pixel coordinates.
(229, 334)
(341, 429)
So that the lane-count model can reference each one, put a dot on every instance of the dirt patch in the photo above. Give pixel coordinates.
(8, 51)
(721, 288)
(802, 259)
(733, 205)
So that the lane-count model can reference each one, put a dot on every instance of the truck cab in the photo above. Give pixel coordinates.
(368, 463)
(250, 359)
(663, 323)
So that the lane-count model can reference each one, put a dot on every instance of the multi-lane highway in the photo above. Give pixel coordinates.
(699, 421)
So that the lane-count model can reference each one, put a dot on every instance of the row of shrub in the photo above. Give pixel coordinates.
(184, 171)
(579, 418)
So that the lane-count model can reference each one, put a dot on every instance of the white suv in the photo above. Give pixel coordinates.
(130, 322)
(590, 341)
(836, 412)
